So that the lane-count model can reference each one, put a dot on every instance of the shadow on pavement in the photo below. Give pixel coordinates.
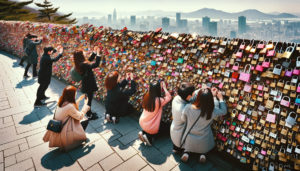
(56, 159)
(38, 114)
(25, 83)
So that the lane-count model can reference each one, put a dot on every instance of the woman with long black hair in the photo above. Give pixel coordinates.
(198, 136)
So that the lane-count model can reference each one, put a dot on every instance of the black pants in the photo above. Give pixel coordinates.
(41, 92)
(90, 98)
(22, 60)
(177, 148)
(34, 73)
(149, 136)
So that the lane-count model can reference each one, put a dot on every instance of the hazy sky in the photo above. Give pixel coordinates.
(107, 6)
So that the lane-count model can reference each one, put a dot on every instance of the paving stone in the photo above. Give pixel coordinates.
(96, 167)
(165, 164)
(10, 160)
(4, 125)
(73, 167)
(133, 164)
(124, 151)
(126, 125)
(133, 135)
(204, 166)
(111, 162)
(1, 166)
(111, 135)
(36, 139)
(147, 168)
(95, 153)
(23, 146)
(4, 103)
(24, 165)
(1, 156)
(182, 167)
(11, 151)
(5, 107)
(12, 144)
(31, 169)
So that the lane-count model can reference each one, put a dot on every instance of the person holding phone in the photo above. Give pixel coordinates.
(117, 97)
(198, 137)
(32, 58)
(67, 111)
(45, 73)
(85, 68)
(153, 104)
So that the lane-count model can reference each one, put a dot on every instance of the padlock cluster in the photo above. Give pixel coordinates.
(260, 80)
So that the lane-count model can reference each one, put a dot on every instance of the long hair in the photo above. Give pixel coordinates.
(68, 95)
(205, 102)
(78, 59)
(150, 97)
(111, 80)
(185, 90)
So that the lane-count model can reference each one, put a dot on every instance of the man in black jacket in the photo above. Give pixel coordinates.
(45, 73)
(25, 42)
(32, 58)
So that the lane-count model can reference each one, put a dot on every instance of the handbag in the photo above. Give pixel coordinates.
(56, 125)
(75, 75)
(189, 131)
(84, 124)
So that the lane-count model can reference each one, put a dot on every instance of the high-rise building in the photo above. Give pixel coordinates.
(165, 22)
(242, 24)
(184, 23)
(178, 19)
(115, 16)
(122, 22)
(232, 34)
(205, 23)
(213, 28)
(133, 20)
(109, 18)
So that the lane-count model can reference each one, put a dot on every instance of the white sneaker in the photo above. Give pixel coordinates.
(202, 158)
(114, 119)
(146, 140)
(141, 136)
(107, 117)
(185, 157)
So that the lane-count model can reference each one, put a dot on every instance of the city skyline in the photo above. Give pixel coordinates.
(125, 7)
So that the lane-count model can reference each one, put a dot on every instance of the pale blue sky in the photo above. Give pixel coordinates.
(107, 6)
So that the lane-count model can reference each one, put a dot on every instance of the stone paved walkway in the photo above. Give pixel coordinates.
(111, 147)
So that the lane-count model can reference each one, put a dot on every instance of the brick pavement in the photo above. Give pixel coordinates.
(111, 147)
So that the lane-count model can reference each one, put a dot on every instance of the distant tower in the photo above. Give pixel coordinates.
(109, 18)
(178, 19)
(205, 23)
(213, 28)
(115, 16)
(165, 22)
(242, 24)
(133, 20)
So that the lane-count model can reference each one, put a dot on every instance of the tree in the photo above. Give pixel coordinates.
(49, 12)
(11, 10)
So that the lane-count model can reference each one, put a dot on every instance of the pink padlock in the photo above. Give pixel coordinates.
(245, 75)
(248, 88)
(266, 63)
(298, 88)
(235, 67)
(271, 53)
(239, 53)
(296, 71)
(260, 87)
(227, 64)
(259, 67)
(285, 101)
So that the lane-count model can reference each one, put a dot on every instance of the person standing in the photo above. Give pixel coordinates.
(85, 69)
(45, 73)
(25, 42)
(198, 137)
(153, 104)
(32, 59)
(184, 95)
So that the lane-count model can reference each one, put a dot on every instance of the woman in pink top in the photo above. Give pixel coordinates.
(152, 109)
